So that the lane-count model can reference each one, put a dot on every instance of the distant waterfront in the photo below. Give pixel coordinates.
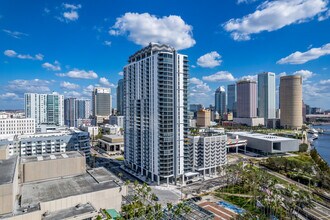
(322, 144)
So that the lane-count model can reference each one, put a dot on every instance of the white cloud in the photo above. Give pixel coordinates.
(12, 53)
(198, 85)
(105, 82)
(145, 28)
(68, 85)
(325, 82)
(54, 67)
(23, 86)
(79, 74)
(220, 76)
(70, 12)
(15, 34)
(9, 96)
(250, 77)
(71, 6)
(107, 43)
(199, 91)
(306, 74)
(121, 73)
(209, 60)
(71, 15)
(88, 90)
(245, 1)
(274, 15)
(303, 57)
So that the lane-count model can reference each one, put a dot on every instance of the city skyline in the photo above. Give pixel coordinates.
(68, 48)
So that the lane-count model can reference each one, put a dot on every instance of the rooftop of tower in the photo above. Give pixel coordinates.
(146, 51)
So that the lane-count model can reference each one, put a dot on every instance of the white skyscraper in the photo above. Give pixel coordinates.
(155, 110)
(266, 95)
(45, 108)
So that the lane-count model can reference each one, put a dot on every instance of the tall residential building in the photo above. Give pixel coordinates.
(266, 95)
(155, 110)
(83, 108)
(231, 98)
(220, 100)
(70, 117)
(102, 104)
(291, 101)
(45, 108)
(120, 97)
(246, 99)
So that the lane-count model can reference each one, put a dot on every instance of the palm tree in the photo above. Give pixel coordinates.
(120, 175)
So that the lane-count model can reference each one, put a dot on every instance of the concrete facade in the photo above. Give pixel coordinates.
(267, 144)
(203, 118)
(250, 121)
(36, 168)
(208, 152)
(112, 144)
(291, 101)
(12, 126)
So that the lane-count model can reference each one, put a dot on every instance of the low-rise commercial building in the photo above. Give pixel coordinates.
(13, 126)
(112, 144)
(250, 121)
(60, 188)
(267, 144)
(111, 129)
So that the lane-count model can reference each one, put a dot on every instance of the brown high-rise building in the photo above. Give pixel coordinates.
(291, 101)
(203, 118)
(246, 99)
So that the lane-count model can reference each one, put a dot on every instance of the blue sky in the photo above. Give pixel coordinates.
(71, 46)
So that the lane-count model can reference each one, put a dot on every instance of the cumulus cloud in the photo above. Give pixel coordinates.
(249, 77)
(15, 34)
(303, 57)
(79, 74)
(274, 15)
(22, 86)
(198, 85)
(199, 91)
(145, 28)
(209, 60)
(70, 12)
(72, 94)
(54, 67)
(121, 73)
(9, 96)
(68, 85)
(105, 82)
(306, 74)
(325, 82)
(13, 54)
(220, 76)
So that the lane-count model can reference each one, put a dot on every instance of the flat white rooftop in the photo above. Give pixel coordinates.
(265, 137)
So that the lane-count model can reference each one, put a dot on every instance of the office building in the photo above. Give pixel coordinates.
(56, 186)
(231, 99)
(112, 144)
(203, 118)
(75, 109)
(13, 126)
(102, 104)
(266, 96)
(156, 119)
(83, 108)
(117, 120)
(70, 112)
(246, 99)
(291, 101)
(120, 97)
(220, 100)
(208, 152)
(45, 108)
